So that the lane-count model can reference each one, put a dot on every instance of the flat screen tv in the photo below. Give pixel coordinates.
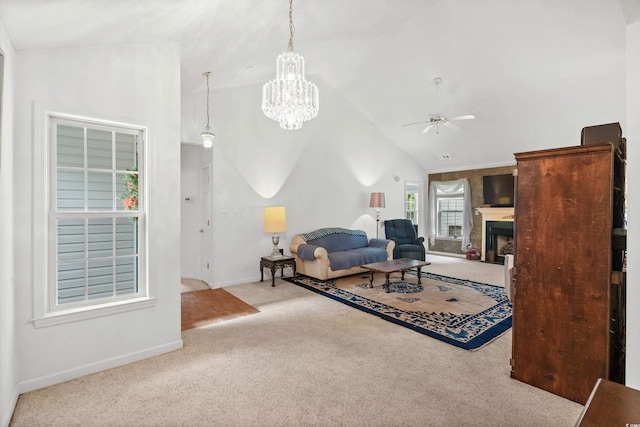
(497, 190)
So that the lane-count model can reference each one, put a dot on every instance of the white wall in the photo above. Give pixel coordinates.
(633, 205)
(323, 174)
(138, 84)
(190, 211)
(8, 370)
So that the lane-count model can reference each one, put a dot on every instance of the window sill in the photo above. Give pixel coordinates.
(84, 313)
(454, 239)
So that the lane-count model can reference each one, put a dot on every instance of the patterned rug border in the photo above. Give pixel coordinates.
(474, 344)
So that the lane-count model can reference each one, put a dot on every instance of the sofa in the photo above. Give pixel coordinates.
(333, 252)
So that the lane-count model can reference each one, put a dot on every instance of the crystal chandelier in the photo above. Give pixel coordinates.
(289, 99)
(207, 135)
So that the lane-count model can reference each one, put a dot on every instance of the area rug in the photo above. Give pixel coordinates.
(462, 313)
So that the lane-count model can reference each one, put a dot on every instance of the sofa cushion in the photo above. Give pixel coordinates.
(340, 240)
(344, 260)
(370, 254)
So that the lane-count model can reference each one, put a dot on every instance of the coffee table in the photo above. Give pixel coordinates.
(394, 266)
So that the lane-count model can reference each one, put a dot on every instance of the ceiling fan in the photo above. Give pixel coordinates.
(436, 119)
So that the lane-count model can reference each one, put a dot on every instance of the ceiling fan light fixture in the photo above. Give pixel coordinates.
(290, 99)
(436, 118)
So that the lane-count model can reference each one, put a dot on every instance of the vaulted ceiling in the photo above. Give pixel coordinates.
(533, 73)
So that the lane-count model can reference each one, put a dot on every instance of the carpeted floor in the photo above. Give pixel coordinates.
(305, 360)
(191, 285)
(463, 313)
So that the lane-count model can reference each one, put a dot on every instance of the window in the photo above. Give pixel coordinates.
(95, 201)
(94, 218)
(450, 216)
(411, 201)
(449, 211)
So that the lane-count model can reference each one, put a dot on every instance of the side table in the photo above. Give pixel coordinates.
(272, 263)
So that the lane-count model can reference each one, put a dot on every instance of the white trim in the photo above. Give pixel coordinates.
(449, 254)
(89, 312)
(80, 371)
(44, 313)
(493, 214)
(472, 167)
(13, 401)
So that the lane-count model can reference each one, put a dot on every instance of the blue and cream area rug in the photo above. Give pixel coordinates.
(460, 312)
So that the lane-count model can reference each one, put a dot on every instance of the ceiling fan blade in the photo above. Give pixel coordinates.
(425, 130)
(465, 117)
(451, 125)
(416, 123)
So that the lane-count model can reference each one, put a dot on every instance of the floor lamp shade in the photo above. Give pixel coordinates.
(377, 200)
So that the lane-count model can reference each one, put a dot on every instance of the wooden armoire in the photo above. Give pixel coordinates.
(568, 307)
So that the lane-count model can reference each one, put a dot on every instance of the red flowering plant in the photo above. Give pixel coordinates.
(130, 197)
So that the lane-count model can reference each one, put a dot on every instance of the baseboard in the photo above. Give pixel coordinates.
(240, 282)
(59, 377)
(447, 254)
(6, 416)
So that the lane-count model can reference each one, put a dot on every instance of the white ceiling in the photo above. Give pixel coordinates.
(533, 73)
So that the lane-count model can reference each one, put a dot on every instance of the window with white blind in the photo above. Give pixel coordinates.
(449, 211)
(450, 216)
(96, 213)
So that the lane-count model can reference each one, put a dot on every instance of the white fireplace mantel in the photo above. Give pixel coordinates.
(492, 214)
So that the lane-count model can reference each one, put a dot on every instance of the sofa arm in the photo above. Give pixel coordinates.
(306, 251)
(379, 243)
(388, 244)
(418, 241)
(295, 243)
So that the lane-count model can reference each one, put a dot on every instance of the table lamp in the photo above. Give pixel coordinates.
(275, 221)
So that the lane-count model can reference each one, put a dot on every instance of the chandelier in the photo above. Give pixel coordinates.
(207, 135)
(289, 99)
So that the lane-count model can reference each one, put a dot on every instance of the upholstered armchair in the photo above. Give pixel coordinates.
(408, 244)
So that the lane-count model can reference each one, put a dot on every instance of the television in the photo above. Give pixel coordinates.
(497, 190)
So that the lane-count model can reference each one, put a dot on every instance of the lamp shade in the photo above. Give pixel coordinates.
(275, 219)
(377, 200)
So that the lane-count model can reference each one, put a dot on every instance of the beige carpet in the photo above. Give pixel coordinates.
(307, 360)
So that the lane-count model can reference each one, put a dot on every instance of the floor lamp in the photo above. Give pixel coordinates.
(377, 201)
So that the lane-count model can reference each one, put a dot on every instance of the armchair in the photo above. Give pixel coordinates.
(408, 244)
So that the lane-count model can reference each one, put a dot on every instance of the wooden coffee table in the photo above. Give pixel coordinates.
(394, 266)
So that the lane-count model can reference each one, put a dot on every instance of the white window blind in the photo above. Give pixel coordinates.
(95, 215)
(450, 214)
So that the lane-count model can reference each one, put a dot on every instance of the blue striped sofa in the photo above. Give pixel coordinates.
(327, 253)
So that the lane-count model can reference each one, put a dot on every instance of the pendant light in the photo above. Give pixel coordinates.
(207, 135)
(290, 99)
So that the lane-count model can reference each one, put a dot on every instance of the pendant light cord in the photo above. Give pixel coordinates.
(207, 76)
(292, 28)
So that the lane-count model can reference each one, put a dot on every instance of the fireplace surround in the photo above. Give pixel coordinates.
(501, 221)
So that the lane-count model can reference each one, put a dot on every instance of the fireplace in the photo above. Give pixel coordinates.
(499, 241)
(503, 232)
